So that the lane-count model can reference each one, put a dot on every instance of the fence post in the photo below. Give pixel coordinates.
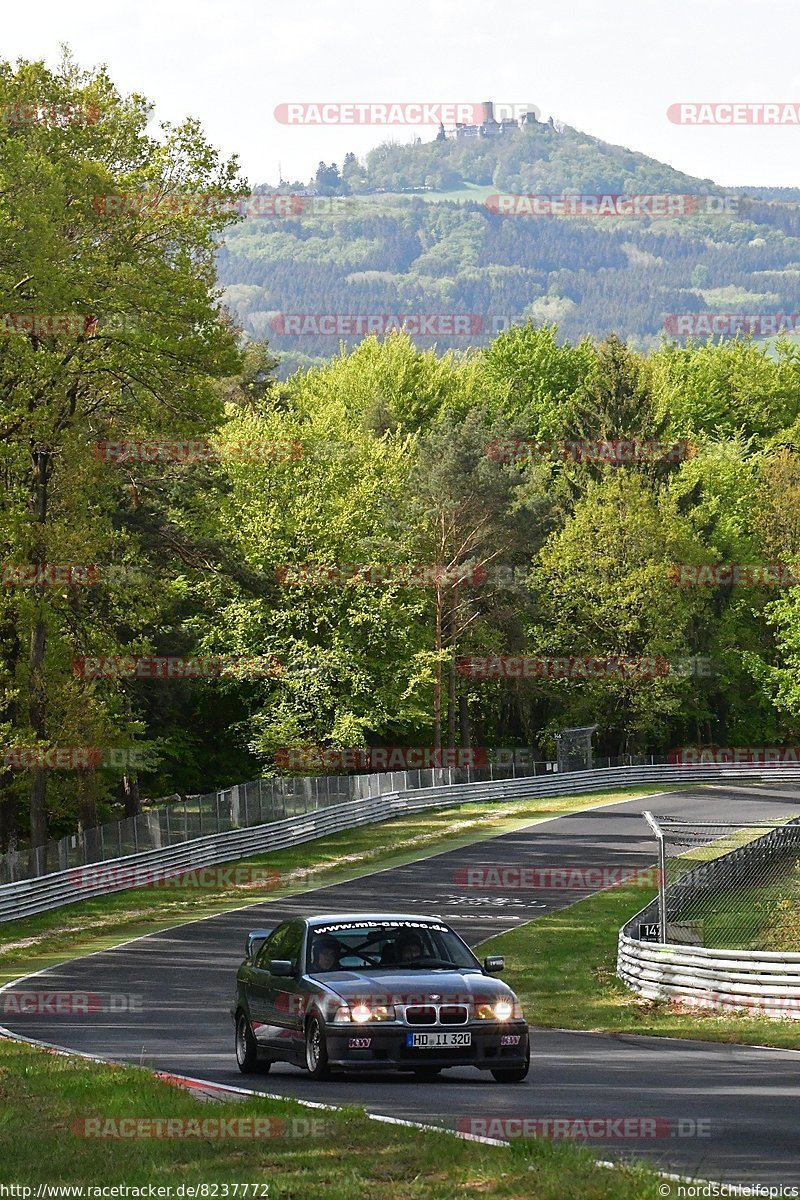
(662, 875)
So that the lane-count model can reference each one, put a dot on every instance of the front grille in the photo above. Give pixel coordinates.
(421, 1014)
(433, 1014)
(453, 1014)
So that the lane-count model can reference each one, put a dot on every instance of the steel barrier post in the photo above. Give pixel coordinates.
(662, 875)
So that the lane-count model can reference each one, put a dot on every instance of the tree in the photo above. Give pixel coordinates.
(461, 503)
(142, 338)
(605, 585)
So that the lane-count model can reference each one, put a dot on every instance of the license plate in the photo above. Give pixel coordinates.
(432, 1041)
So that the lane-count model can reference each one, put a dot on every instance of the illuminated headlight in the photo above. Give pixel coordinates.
(362, 1013)
(500, 1010)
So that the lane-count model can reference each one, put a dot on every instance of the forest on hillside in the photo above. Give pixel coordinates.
(241, 542)
(363, 245)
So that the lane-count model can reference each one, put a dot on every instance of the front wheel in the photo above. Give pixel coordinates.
(316, 1050)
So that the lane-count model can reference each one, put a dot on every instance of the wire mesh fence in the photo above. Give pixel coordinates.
(257, 802)
(728, 885)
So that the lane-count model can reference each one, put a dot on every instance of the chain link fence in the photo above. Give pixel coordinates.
(257, 802)
(727, 885)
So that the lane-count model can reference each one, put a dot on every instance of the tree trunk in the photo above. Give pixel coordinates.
(37, 705)
(87, 798)
(36, 715)
(464, 724)
(9, 806)
(9, 813)
(133, 802)
(451, 699)
(437, 679)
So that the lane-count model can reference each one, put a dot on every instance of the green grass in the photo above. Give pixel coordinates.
(563, 967)
(762, 916)
(33, 943)
(319, 1155)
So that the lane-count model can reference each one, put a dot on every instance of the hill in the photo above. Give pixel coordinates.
(419, 229)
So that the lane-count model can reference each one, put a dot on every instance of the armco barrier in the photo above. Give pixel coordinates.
(29, 896)
(763, 982)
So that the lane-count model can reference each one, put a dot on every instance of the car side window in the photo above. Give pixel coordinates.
(292, 944)
(285, 943)
(267, 950)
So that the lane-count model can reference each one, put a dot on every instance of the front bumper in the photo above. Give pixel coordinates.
(494, 1045)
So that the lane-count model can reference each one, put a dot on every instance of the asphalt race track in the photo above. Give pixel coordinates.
(746, 1100)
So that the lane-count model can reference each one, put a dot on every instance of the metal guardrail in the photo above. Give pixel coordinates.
(763, 982)
(30, 896)
(256, 802)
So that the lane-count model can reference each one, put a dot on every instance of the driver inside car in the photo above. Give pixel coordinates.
(409, 947)
(325, 954)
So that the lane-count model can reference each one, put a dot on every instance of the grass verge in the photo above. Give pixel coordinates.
(302, 1154)
(563, 967)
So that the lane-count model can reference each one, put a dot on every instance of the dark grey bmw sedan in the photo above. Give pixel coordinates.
(375, 992)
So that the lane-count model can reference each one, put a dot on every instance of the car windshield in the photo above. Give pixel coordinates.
(408, 945)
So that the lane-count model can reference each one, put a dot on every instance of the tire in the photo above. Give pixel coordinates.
(316, 1050)
(427, 1072)
(246, 1047)
(514, 1074)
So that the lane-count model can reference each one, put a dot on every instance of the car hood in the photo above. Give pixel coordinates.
(414, 987)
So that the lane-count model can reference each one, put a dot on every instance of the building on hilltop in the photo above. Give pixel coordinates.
(490, 127)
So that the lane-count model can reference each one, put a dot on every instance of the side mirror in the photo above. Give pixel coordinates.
(281, 967)
(255, 940)
(494, 964)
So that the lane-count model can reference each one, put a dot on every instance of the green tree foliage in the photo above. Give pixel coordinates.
(381, 458)
(144, 337)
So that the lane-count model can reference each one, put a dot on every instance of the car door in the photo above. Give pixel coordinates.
(258, 988)
(285, 996)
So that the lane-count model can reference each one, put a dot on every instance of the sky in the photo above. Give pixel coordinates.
(610, 71)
